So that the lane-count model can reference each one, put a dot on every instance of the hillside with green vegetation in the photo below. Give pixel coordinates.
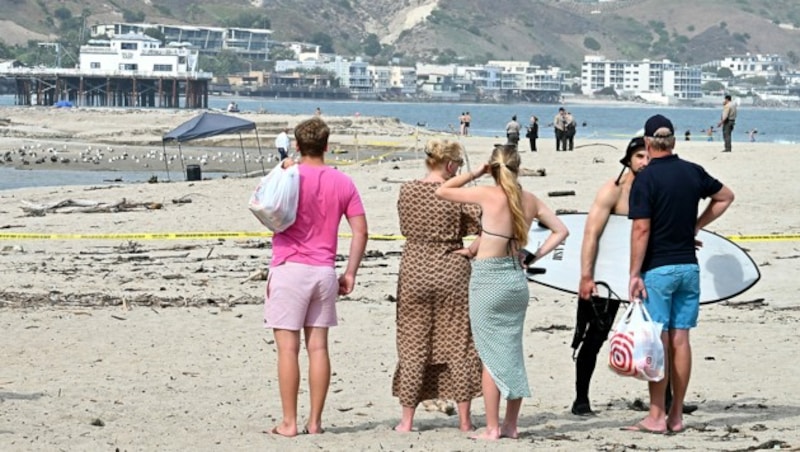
(547, 32)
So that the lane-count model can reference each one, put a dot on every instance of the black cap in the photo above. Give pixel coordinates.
(657, 122)
(635, 144)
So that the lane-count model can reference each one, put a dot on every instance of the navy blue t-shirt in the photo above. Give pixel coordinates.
(668, 192)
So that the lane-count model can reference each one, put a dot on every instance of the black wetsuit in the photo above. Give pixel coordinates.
(594, 321)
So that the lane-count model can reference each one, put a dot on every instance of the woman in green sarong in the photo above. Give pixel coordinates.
(498, 292)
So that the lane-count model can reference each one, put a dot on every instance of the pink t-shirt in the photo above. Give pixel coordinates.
(325, 196)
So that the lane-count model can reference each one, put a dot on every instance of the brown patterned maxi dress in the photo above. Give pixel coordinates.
(437, 358)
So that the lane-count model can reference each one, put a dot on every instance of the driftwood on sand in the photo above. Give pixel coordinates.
(85, 206)
(541, 172)
(561, 193)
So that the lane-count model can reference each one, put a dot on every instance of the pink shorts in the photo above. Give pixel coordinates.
(300, 295)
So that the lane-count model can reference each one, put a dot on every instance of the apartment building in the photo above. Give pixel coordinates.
(638, 77)
(249, 43)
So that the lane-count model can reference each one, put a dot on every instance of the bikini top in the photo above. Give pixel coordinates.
(511, 241)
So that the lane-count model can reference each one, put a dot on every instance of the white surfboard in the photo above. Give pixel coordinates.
(726, 270)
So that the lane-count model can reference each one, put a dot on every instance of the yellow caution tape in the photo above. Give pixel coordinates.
(135, 236)
(250, 234)
(764, 238)
(164, 236)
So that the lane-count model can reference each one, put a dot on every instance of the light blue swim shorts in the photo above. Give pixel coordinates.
(673, 295)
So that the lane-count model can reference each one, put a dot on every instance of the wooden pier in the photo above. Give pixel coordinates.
(46, 87)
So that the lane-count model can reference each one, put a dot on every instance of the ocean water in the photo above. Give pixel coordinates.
(605, 121)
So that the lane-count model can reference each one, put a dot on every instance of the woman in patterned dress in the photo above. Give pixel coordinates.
(437, 358)
(498, 289)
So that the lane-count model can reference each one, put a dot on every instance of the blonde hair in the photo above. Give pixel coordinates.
(442, 151)
(504, 165)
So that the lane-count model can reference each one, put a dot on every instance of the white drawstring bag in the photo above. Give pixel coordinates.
(635, 344)
(274, 201)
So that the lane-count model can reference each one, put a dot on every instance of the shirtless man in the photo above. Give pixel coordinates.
(596, 313)
(594, 324)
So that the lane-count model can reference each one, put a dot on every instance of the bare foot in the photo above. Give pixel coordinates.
(289, 433)
(467, 427)
(488, 434)
(315, 430)
(675, 425)
(509, 432)
(648, 425)
(402, 428)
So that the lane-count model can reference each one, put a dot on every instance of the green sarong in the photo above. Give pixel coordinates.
(498, 300)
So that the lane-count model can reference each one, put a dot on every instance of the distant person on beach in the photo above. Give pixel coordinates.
(560, 128)
(283, 143)
(752, 135)
(233, 107)
(569, 132)
(436, 355)
(498, 288)
(687, 135)
(710, 133)
(302, 286)
(664, 273)
(512, 131)
(533, 132)
(461, 121)
(467, 123)
(318, 112)
(727, 121)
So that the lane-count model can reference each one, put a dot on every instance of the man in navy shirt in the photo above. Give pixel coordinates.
(664, 272)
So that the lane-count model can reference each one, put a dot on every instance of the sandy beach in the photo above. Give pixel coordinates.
(129, 343)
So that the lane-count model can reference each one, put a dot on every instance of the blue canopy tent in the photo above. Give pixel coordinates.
(209, 125)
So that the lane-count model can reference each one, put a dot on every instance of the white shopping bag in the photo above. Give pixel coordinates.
(635, 344)
(274, 202)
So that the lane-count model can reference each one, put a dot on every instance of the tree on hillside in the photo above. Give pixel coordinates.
(542, 60)
(132, 16)
(372, 45)
(323, 40)
(447, 56)
(281, 53)
(724, 72)
(591, 43)
(248, 19)
(62, 13)
(5, 52)
(712, 87)
(224, 63)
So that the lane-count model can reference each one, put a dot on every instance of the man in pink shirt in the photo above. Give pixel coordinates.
(302, 286)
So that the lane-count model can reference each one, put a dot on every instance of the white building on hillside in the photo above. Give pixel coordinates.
(523, 76)
(136, 54)
(748, 65)
(641, 78)
(403, 80)
(304, 51)
(351, 74)
(250, 43)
